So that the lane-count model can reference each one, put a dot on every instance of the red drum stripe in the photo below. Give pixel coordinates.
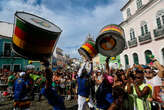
(20, 33)
(91, 47)
(32, 39)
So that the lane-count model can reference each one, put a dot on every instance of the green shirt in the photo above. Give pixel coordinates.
(34, 76)
(141, 103)
(11, 79)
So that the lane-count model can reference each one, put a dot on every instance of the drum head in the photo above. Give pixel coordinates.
(113, 45)
(37, 21)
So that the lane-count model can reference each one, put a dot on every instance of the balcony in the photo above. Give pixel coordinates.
(159, 33)
(145, 38)
(132, 43)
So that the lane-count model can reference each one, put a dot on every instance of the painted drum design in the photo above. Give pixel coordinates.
(34, 38)
(88, 50)
(110, 41)
(112, 28)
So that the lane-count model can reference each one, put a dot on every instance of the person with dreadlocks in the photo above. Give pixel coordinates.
(83, 85)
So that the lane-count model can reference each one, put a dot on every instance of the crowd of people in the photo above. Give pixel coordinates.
(140, 87)
(137, 88)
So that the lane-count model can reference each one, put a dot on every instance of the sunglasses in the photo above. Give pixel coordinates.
(138, 77)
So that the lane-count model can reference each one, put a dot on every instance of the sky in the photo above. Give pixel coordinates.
(76, 18)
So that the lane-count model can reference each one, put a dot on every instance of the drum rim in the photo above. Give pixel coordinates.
(112, 25)
(88, 56)
(16, 15)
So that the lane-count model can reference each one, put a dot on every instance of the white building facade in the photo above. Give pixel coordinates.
(144, 31)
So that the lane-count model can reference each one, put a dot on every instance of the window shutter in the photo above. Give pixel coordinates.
(126, 60)
(133, 35)
(146, 28)
(142, 31)
(163, 19)
(135, 58)
(130, 36)
(158, 23)
(128, 12)
(139, 4)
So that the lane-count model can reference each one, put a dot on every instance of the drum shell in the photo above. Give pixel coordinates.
(88, 50)
(32, 42)
(118, 36)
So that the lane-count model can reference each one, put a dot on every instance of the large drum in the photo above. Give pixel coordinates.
(110, 41)
(34, 37)
(88, 50)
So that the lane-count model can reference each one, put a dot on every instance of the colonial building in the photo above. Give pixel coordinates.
(60, 58)
(8, 59)
(143, 24)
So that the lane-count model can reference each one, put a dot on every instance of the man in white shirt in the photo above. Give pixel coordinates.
(152, 80)
(83, 85)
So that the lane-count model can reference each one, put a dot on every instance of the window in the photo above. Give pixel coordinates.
(144, 28)
(16, 68)
(128, 12)
(148, 53)
(132, 34)
(7, 67)
(135, 58)
(7, 49)
(139, 4)
(160, 18)
(126, 61)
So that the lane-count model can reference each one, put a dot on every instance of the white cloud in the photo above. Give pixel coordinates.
(75, 27)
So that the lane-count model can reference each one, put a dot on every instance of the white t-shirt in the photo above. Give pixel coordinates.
(155, 81)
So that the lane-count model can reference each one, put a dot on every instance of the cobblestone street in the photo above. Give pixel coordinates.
(42, 105)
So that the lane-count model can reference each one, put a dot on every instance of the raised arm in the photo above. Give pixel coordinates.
(160, 68)
(107, 65)
(91, 67)
(80, 70)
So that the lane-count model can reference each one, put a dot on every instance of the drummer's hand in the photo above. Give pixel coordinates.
(85, 60)
(90, 61)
